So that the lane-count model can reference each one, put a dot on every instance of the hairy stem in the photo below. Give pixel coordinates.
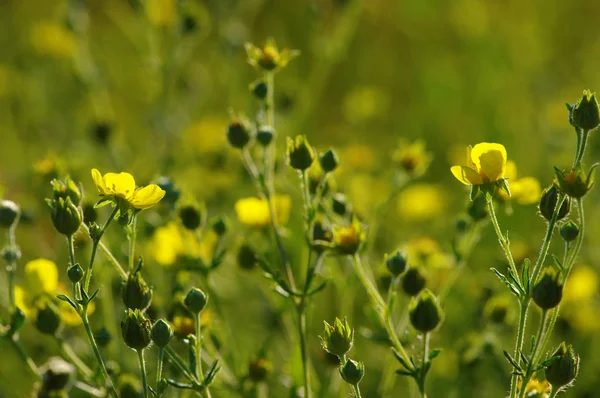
(143, 371)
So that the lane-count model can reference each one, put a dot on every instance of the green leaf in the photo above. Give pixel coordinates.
(525, 274)
(434, 353)
(63, 297)
(512, 361)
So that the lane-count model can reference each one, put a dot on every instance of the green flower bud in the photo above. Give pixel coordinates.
(584, 114)
(66, 189)
(102, 131)
(259, 89)
(238, 133)
(396, 263)
(548, 290)
(65, 215)
(259, 370)
(90, 214)
(11, 254)
(321, 236)
(425, 311)
(136, 330)
(246, 257)
(299, 154)
(48, 319)
(477, 208)
(129, 386)
(75, 273)
(575, 183)
(17, 319)
(265, 135)
(329, 161)
(57, 375)
(195, 300)
(499, 310)
(124, 218)
(191, 216)
(352, 372)
(413, 282)
(549, 201)
(136, 294)
(569, 231)
(564, 370)
(161, 333)
(338, 339)
(9, 213)
(219, 225)
(339, 204)
(102, 337)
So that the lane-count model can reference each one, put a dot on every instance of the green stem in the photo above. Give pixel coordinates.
(547, 240)
(180, 364)
(67, 352)
(71, 249)
(504, 243)
(132, 237)
(582, 143)
(555, 392)
(534, 353)
(11, 266)
(143, 371)
(96, 242)
(282, 252)
(356, 391)
(423, 363)
(88, 331)
(159, 366)
(17, 343)
(304, 348)
(198, 349)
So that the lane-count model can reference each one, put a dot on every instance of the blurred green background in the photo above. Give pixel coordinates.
(145, 87)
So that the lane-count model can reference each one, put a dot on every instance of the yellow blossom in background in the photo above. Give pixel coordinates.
(162, 13)
(426, 252)
(364, 190)
(53, 39)
(171, 241)
(206, 135)
(254, 212)
(365, 103)
(486, 162)
(537, 388)
(114, 187)
(357, 157)
(49, 167)
(582, 285)
(421, 202)
(412, 157)
(524, 190)
(183, 324)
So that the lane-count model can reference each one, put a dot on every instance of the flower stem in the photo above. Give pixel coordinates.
(424, 362)
(88, 330)
(504, 243)
(304, 348)
(356, 391)
(159, 366)
(534, 353)
(11, 265)
(67, 352)
(88, 274)
(582, 138)
(524, 306)
(198, 349)
(143, 371)
(132, 237)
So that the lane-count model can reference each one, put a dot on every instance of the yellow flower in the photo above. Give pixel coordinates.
(162, 13)
(349, 239)
(426, 253)
(421, 201)
(412, 158)
(116, 187)
(53, 39)
(486, 162)
(269, 58)
(171, 241)
(525, 190)
(254, 212)
(537, 389)
(582, 285)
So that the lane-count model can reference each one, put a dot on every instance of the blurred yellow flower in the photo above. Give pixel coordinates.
(171, 241)
(357, 157)
(364, 103)
(581, 286)
(207, 135)
(114, 187)
(486, 162)
(365, 190)
(183, 324)
(524, 190)
(254, 212)
(421, 201)
(49, 38)
(162, 13)
(412, 158)
(537, 388)
(426, 253)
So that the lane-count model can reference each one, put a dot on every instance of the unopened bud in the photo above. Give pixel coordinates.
(191, 216)
(547, 292)
(337, 339)
(48, 319)
(585, 114)
(563, 371)
(136, 330)
(569, 231)
(75, 273)
(161, 333)
(352, 372)
(413, 282)
(238, 133)
(264, 135)
(195, 300)
(549, 201)
(9, 213)
(65, 215)
(425, 311)
(329, 161)
(396, 263)
(136, 294)
(300, 155)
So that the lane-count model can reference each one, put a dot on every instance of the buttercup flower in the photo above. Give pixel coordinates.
(486, 162)
(254, 212)
(412, 158)
(119, 188)
(171, 241)
(269, 58)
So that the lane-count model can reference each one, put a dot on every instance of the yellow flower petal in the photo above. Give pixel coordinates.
(167, 244)
(490, 160)
(99, 181)
(466, 175)
(147, 197)
(121, 185)
(526, 190)
(511, 171)
(253, 212)
(24, 303)
(42, 276)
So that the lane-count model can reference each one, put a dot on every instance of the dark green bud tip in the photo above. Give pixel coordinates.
(9, 213)
(549, 201)
(65, 215)
(329, 161)
(195, 300)
(569, 231)
(136, 330)
(339, 204)
(238, 133)
(219, 225)
(352, 372)
(585, 114)
(337, 339)
(548, 290)
(57, 375)
(425, 311)
(48, 319)
(396, 262)
(103, 337)
(300, 155)
(191, 216)
(101, 131)
(66, 189)
(259, 89)
(75, 273)
(564, 369)
(413, 282)
(136, 294)
(264, 135)
(259, 370)
(246, 257)
(161, 333)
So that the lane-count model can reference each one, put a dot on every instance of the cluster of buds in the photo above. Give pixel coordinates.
(64, 206)
(337, 339)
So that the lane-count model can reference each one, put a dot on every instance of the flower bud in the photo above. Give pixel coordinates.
(259, 89)
(348, 240)
(129, 386)
(584, 114)
(569, 231)
(425, 311)
(65, 215)
(102, 337)
(352, 372)
(17, 319)
(396, 262)
(57, 375)
(300, 155)
(238, 133)
(413, 281)
(339, 204)
(136, 330)
(161, 333)
(11, 254)
(191, 216)
(329, 161)
(575, 183)
(563, 371)
(101, 131)
(246, 257)
(548, 290)
(75, 273)
(9, 213)
(549, 201)
(90, 214)
(66, 189)
(477, 208)
(48, 319)
(321, 235)
(265, 135)
(195, 300)
(259, 370)
(219, 225)
(125, 219)
(499, 310)
(338, 339)
(136, 294)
